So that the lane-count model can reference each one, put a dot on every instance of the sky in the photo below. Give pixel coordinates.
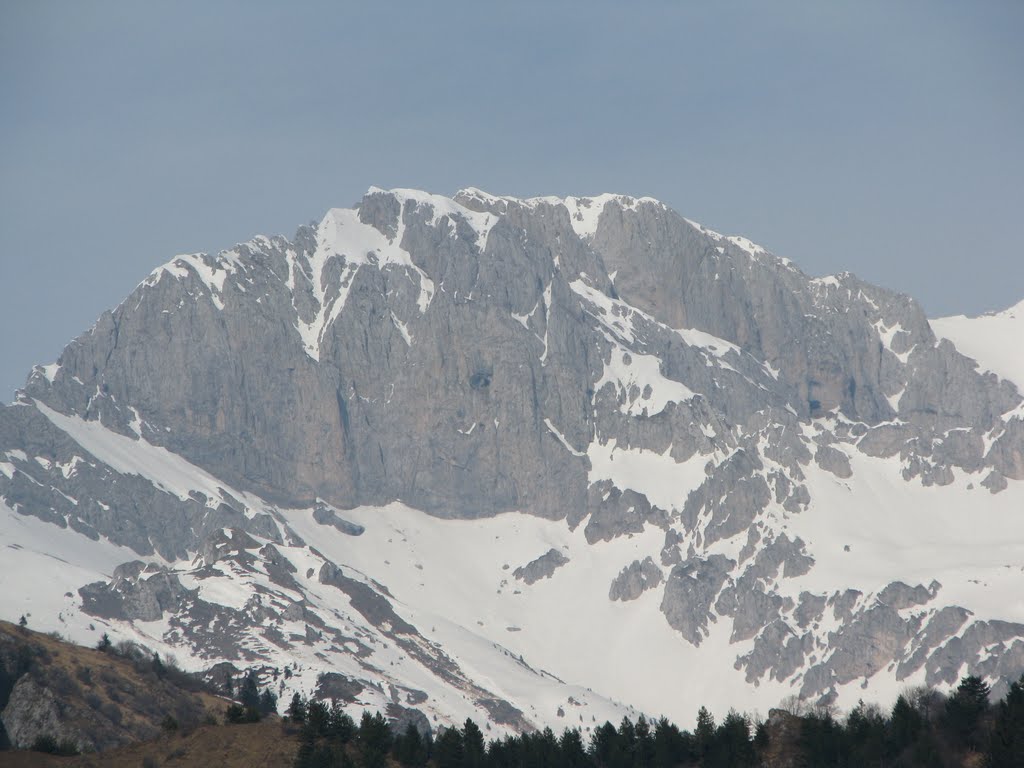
(878, 137)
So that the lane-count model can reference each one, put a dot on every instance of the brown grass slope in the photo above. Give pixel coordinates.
(94, 700)
(254, 745)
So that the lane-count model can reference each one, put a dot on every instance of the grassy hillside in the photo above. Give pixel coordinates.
(90, 699)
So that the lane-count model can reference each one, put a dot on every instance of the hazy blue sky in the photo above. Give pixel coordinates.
(883, 138)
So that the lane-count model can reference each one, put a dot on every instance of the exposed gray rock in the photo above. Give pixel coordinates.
(618, 513)
(988, 646)
(540, 568)
(809, 610)
(833, 460)
(635, 579)
(860, 648)
(334, 685)
(842, 603)
(690, 590)
(374, 607)
(142, 599)
(885, 440)
(781, 551)
(33, 711)
(750, 607)
(995, 481)
(400, 718)
(327, 516)
(1007, 453)
(670, 554)
(778, 651)
(943, 625)
(900, 596)
(731, 497)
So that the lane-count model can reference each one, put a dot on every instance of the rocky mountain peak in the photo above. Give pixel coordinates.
(425, 426)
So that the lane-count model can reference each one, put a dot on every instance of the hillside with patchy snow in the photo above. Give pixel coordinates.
(535, 462)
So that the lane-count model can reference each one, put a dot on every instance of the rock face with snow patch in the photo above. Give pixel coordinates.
(684, 401)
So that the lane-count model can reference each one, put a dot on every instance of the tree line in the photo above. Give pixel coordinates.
(923, 728)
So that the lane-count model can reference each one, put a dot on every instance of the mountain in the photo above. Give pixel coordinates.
(530, 461)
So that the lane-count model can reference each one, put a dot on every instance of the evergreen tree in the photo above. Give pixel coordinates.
(1006, 748)
(965, 710)
(473, 751)
(409, 748)
(732, 746)
(341, 728)
(671, 746)
(268, 702)
(104, 644)
(761, 737)
(821, 742)
(905, 726)
(249, 693)
(867, 734)
(448, 749)
(297, 709)
(545, 751)
(604, 744)
(317, 719)
(643, 752)
(158, 667)
(704, 735)
(573, 754)
(624, 746)
(374, 740)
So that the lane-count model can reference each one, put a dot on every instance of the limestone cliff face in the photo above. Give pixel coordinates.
(446, 353)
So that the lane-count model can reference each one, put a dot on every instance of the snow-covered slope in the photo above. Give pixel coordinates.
(994, 340)
(535, 462)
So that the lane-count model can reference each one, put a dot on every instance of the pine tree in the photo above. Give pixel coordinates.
(671, 746)
(904, 726)
(297, 709)
(374, 739)
(317, 719)
(643, 752)
(448, 749)
(268, 702)
(704, 734)
(965, 709)
(732, 747)
(571, 746)
(249, 693)
(474, 752)
(604, 744)
(409, 749)
(1006, 748)
(158, 667)
(341, 728)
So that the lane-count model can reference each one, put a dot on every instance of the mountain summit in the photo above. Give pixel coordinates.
(524, 460)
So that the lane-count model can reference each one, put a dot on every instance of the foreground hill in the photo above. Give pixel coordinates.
(85, 699)
(534, 462)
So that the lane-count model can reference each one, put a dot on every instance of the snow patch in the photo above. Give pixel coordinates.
(641, 387)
